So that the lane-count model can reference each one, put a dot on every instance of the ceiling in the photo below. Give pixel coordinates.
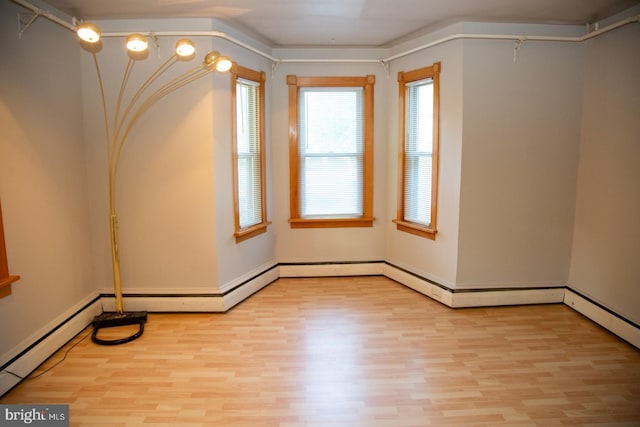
(346, 22)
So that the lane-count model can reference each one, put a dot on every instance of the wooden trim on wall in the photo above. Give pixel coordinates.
(367, 84)
(238, 71)
(404, 77)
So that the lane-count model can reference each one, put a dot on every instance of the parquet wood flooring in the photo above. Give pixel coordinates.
(362, 351)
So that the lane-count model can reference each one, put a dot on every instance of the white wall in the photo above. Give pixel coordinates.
(165, 199)
(238, 261)
(327, 244)
(606, 242)
(42, 178)
(174, 196)
(434, 259)
(519, 162)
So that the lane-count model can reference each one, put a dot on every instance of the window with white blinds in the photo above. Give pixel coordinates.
(419, 150)
(248, 153)
(331, 151)
(248, 150)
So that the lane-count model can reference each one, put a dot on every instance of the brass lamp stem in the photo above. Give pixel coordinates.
(115, 262)
(115, 141)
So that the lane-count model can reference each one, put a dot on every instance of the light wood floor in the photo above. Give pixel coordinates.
(349, 352)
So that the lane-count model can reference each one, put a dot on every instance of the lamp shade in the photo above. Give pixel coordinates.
(211, 57)
(136, 42)
(223, 64)
(185, 48)
(88, 32)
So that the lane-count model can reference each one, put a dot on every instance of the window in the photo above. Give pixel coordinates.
(331, 151)
(247, 92)
(419, 98)
(5, 279)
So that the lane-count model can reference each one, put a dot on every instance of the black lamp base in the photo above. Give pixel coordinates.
(113, 319)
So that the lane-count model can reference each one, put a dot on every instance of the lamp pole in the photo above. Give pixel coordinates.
(116, 133)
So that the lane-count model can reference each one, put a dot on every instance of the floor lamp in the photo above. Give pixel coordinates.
(117, 129)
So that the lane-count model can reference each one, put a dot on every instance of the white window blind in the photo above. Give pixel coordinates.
(331, 152)
(418, 152)
(248, 149)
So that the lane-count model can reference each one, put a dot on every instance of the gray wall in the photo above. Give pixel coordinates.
(42, 179)
(175, 202)
(327, 244)
(434, 259)
(606, 246)
(519, 163)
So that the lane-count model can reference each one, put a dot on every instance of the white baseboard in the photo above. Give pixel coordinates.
(420, 285)
(476, 298)
(492, 298)
(237, 291)
(332, 270)
(36, 349)
(167, 303)
(602, 317)
(249, 276)
(243, 292)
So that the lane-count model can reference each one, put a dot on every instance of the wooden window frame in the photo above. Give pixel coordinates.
(5, 278)
(404, 77)
(237, 71)
(367, 84)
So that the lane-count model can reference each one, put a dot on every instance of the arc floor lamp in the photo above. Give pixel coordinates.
(117, 128)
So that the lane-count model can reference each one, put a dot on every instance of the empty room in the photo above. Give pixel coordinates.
(320, 213)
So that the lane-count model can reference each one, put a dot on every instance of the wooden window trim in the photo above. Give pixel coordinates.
(242, 234)
(415, 229)
(297, 82)
(405, 77)
(249, 232)
(5, 278)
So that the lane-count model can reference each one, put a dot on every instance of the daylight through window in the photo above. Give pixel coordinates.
(419, 151)
(331, 151)
(248, 153)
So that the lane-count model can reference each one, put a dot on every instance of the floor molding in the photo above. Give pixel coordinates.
(614, 323)
(330, 269)
(500, 297)
(244, 291)
(28, 355)
(214, 302)
(167, 303)
(461, 298)
(419, 284)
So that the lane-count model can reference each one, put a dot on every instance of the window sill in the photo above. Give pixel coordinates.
(249, 232)
(415, 229)
(5, 285)
(331, 222)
